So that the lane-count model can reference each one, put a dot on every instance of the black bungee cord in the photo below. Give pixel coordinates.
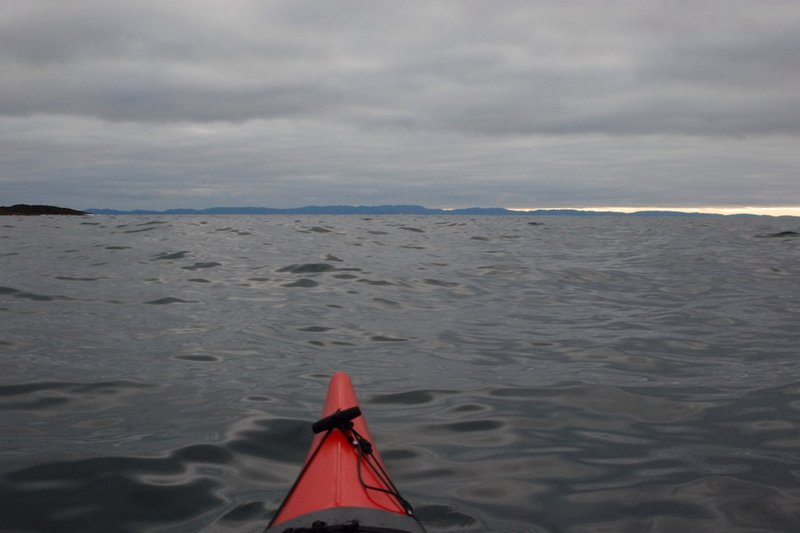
(365, 452)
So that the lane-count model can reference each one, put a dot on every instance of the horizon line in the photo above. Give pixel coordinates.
(775, 211)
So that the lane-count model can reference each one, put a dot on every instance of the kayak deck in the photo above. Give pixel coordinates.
(343, 485)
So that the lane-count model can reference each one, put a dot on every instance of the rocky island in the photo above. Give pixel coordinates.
(32, 210)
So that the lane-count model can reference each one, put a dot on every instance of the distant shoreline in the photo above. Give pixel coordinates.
(38, 210)
(377, 210)
(363, 210)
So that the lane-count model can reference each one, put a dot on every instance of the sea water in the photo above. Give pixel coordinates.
(519, 374)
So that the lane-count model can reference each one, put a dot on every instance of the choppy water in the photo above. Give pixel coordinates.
(552, 374)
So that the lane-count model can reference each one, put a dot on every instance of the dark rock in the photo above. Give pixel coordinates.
(32, 210)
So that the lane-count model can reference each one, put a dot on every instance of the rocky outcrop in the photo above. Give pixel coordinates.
(30, 210)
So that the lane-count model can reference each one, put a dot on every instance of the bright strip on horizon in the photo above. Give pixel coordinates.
(747, 210)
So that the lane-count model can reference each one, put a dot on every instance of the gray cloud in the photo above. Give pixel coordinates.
(441, 103)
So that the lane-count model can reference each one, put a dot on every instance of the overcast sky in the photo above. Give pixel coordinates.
(547, 103)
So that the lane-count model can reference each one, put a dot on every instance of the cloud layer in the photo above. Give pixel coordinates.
(189, 104)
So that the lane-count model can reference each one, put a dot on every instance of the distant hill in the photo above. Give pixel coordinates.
(33, 210)
(315, 210)
(389, 210)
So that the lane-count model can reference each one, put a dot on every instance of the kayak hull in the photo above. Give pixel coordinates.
(343, 480)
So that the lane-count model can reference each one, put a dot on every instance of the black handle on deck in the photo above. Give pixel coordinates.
(339, 419)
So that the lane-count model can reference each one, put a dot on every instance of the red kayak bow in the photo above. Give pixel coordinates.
(343, 486)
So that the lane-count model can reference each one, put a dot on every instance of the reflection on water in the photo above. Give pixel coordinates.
(557, 374)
